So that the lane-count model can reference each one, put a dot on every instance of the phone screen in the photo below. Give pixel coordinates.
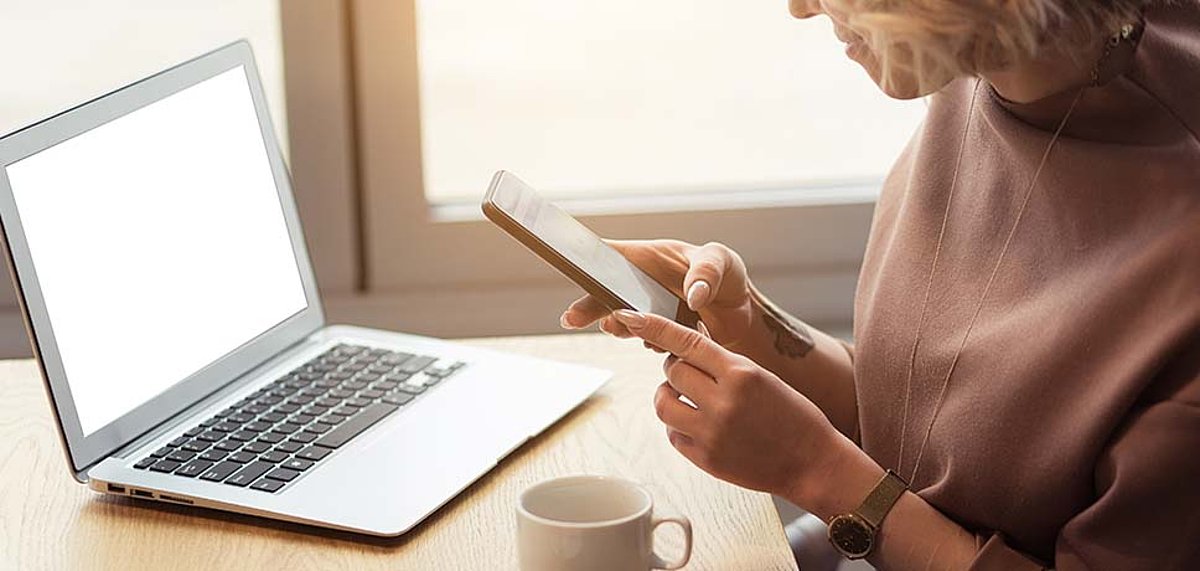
(581, 247)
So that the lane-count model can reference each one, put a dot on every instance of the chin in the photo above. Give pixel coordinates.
(903, 86)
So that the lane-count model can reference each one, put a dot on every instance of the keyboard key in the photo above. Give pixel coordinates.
(255, 409)
(354, 385)
(266, 485)
(298, 464)
(360, 422)
(194, 468)
(214, 455)
(313, 453)
(249, 474)
(300, 400)
(273, 457)
(398, 398)
(258, 426)
(384, 385)
(242, 457)
(316, 410)
(370, 394)
(243, 436)
(193, 431)
(411, 389)
(181, 455)
(397, 377)
(269, 400)
(165, 466)
(241, 417)
(225, 426)
(328, 402)
(319, 427)
(225, 413)
(333, 419)
(341, 393)
(145, 462)
(162, 452)
(196, 446)
(178, 442)
(304, 437)
(257, 447)
(289, 447)
(283, 474)
(359, 402)
(228, 445)
(212, 435)
(271, 437)
(346, 411)
(272, 417)
(286, 428)
(416, 364)
(220, 471)
(286, 408)
(301, 419)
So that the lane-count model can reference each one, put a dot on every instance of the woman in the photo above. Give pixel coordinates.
(1027, 321)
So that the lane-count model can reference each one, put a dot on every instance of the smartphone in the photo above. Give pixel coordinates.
(577, 252)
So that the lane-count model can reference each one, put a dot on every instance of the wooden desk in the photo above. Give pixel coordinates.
(48, 521)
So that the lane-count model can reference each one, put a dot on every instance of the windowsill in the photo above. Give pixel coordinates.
(849, 193)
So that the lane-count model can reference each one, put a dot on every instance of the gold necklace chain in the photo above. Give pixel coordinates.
(986, 289)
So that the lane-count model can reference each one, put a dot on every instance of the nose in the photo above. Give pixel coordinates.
(803, 9)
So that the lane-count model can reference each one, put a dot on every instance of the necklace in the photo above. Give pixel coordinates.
(986, 289)
(1129, 33)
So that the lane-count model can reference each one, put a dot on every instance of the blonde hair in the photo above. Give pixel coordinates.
(936, 40)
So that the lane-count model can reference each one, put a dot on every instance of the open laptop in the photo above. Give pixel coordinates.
(155, 243)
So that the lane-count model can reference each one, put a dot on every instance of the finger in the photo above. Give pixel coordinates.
(652, 347)
(708, 266)
(663, 260)
(615, 328)
(689, 381)
(673, 412)
(680, 440)
(683, 342)
(583, 312)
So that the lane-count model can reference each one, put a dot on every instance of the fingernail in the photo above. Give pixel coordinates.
(631, 319)
(564, 323)
(697, 295)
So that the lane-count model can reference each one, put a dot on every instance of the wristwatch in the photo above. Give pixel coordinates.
(853, 534)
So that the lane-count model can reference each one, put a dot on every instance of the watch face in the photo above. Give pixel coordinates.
(852, 536)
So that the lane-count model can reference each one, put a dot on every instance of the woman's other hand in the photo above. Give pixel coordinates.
(747, 426)
(712, 278)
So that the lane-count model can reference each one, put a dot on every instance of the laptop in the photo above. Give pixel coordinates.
(172, 308)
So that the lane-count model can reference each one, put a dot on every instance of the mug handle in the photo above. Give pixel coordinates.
(686, 526)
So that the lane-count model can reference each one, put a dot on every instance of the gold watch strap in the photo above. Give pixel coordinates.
(881, 499)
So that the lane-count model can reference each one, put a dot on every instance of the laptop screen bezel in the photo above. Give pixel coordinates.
(85, 451)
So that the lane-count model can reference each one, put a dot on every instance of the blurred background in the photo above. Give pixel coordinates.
(703, 120)
(693, 119)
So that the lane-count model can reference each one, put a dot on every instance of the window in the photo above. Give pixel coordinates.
(446, 91)
(627, 96)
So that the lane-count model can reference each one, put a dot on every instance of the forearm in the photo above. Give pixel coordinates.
(814, 363)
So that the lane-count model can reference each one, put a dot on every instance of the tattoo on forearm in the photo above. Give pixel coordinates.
(792, 338)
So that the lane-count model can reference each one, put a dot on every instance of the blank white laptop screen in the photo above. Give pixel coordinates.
(159, 244)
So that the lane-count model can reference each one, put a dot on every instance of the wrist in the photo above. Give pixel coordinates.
(839, 483)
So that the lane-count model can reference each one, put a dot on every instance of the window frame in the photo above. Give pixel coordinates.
(804, 246)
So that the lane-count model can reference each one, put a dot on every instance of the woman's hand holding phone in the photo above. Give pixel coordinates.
(712, 278)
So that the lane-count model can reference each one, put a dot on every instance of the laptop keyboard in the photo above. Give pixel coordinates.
(282, 430)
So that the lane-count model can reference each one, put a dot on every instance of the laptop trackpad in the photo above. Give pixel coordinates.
(421, 456)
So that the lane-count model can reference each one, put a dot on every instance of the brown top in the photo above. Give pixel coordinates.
(1070, 431)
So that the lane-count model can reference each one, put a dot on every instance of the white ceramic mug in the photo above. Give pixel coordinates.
(585, 523)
